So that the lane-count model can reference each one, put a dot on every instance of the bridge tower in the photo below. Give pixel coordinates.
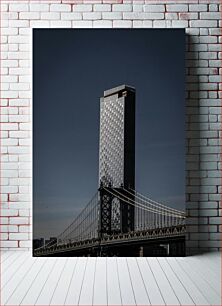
(116, 158)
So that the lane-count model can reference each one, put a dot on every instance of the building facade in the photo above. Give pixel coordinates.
(117, 156)
(117, 137)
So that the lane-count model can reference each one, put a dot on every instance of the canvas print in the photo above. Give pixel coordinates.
(109, 142)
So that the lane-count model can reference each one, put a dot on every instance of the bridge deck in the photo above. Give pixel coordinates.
(110, 281)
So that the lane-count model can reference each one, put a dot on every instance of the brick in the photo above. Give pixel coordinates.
(209, 228)
(4, 220)
(52, 16)
(177, 8)
(213, 7)
(93, 15)
(19, 86)
(215, 220)
(39, 24)
(19, 71)
(18, 23)
(9, 31)
(208, 205)
(216, 31)
(154, 8)
(214, 47)
(25, 244)
(197, 7)
(60, 24)
(24, 212)
(9, 79)
(9, 63)
(161, 23)
(171, 16)
(203, 23)
(18, 236)
(18, 7)
(9, 126)
(20, 197)
(39, 7)
(9, 244)
(214, 63)
(112, 15)
(207, 15)
(187, 16)
(138, 23)
(9, 212)
(4, 118)
(215, 236)
(102, 24)
(29, 15)
(19, 134)
(13, 158)
(24, 189)
(20, 181)
(4, 7)
(122, 23)
(180, 23)
(19, 118)
(210, 181)
(134, 15)
(9, 142)
(9, 173)
(9, 228)
(199, 236)
(122, 7)
(210, 157)
(24, 158)
(137, 7)
(214, 173)
(9, 94)
(4, 181)
(18, 150)
(13, 47)
(204, 32)
(24, 229)
(82, 7)
(19, 102)
(82, 24)
(60, 8)
(102, 7)
(71, 16)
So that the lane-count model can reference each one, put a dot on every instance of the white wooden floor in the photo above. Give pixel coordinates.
(110, 281)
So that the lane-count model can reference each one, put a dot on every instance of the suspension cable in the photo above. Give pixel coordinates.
(151, 209)
(139, 205)
(150, 202)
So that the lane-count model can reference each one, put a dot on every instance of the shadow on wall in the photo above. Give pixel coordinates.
(197, 239)
(192, 148)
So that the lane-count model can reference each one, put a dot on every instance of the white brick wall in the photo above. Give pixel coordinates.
(201, 20)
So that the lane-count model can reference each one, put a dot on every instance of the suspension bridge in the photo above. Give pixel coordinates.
(98, 230)
(118, 220)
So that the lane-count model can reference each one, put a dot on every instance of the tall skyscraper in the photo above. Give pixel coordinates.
(117, 155)
(117, 137)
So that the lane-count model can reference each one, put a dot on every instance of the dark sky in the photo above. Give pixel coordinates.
(71, 70)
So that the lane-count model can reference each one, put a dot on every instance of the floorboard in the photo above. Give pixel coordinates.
(167, 291)
(193, 280)
(61, 291)
(100, 283)
(75, 286)
(188, 282)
